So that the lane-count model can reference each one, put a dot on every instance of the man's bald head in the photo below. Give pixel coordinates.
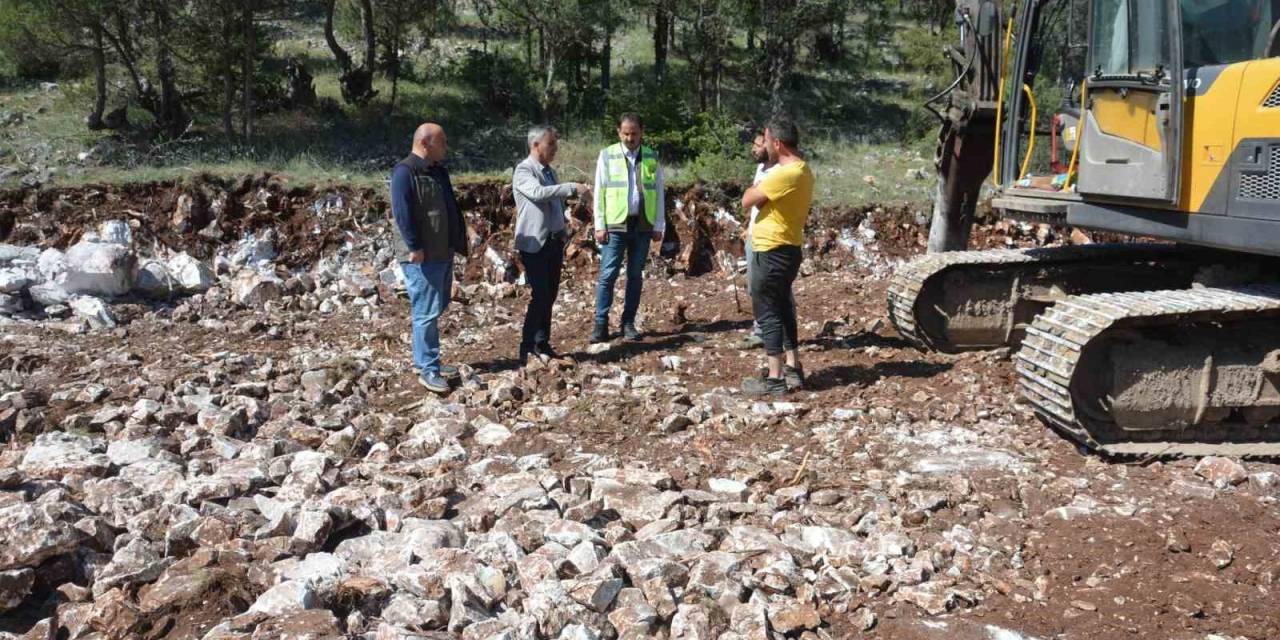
(430, 142)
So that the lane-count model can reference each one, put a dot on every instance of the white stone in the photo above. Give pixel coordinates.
(728, 486)
(286, 597)
(492, 435)
(58, 453)
(99, 269)
(11, 303)
(94, 310)
(253, 289)
(255, 250)
(15, 280)
(154, 281)
(127, 452)
(51, 264)
(114, 232)
(320, 571)
(10, 254)
(48, 294)
(192, 275)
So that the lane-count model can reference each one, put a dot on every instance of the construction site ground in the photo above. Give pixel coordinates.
(1049, 541)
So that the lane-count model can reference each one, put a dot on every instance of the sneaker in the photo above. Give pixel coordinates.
(749, 342)
(600, 333)
(630, 332)
(434, 382)
(764, 386)
(544, 349)
(448, 371)
(794, 377)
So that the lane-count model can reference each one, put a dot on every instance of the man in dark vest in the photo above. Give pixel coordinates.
(431, 232)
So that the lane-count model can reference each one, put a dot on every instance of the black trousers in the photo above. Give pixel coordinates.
(772, 274)
(542, 272)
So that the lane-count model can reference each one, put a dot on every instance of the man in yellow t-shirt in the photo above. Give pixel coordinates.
(777, 238)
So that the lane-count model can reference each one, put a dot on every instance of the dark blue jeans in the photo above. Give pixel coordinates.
(542, 272)
(634, 247)
(430, 285)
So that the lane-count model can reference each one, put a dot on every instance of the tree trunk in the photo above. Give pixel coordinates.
(751, 39)
(370, 42)
(339, 54)
(356, 83)
(542, 48)
(228, 78)
(528, 46)
(661, 31)
(393, 69)
(250, 46)
(546, 86)
(170, 116)
(606, 59)
(94, 120)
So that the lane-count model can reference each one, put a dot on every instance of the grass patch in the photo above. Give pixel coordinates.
(855, 123)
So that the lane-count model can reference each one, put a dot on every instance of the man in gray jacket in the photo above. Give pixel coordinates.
(540, 235)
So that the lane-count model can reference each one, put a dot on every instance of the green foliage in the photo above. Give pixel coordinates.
(8, 69)
(922, 51)
(22, 54)
(501, 82)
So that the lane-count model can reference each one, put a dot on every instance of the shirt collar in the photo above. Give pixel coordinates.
(537, 164)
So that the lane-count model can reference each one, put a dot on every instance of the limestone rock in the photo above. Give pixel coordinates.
(99, 269)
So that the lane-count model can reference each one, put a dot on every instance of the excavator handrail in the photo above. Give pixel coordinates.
(1075, 151)
(1031, 145)
(1008, 35)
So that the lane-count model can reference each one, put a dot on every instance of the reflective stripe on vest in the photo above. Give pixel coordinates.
(615, 184)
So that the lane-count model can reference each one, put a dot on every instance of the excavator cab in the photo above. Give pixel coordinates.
(1130, 348)
(1127, 129)
(1178, 121)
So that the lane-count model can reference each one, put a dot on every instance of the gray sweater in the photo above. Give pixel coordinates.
(539, 204)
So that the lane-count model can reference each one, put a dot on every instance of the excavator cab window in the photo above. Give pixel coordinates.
(1218, 32)
(1130, 39)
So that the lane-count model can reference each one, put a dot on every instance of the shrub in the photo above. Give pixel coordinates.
(500, 80)
(922, 51)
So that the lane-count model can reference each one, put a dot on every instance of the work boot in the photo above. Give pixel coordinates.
(763, 386)
(600, 333)
(433, 382)
(630, 332)
(794, 377)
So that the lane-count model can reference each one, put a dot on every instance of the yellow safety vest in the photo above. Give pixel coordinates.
(615, 184)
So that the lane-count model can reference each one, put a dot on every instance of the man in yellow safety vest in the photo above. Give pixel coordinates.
(629, 212)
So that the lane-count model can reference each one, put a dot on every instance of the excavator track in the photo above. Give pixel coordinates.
(914, 290)
(1073, 344)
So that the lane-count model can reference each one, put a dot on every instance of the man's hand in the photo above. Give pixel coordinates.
(657, 235)
(583, 190)
(602, 237)
(418, 256)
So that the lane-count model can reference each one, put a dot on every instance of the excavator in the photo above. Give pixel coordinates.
(1157, 121)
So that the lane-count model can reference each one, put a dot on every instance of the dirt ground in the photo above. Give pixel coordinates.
(1073, 545)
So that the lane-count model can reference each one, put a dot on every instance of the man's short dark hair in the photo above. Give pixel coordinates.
(633, 118)
(784, 130)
